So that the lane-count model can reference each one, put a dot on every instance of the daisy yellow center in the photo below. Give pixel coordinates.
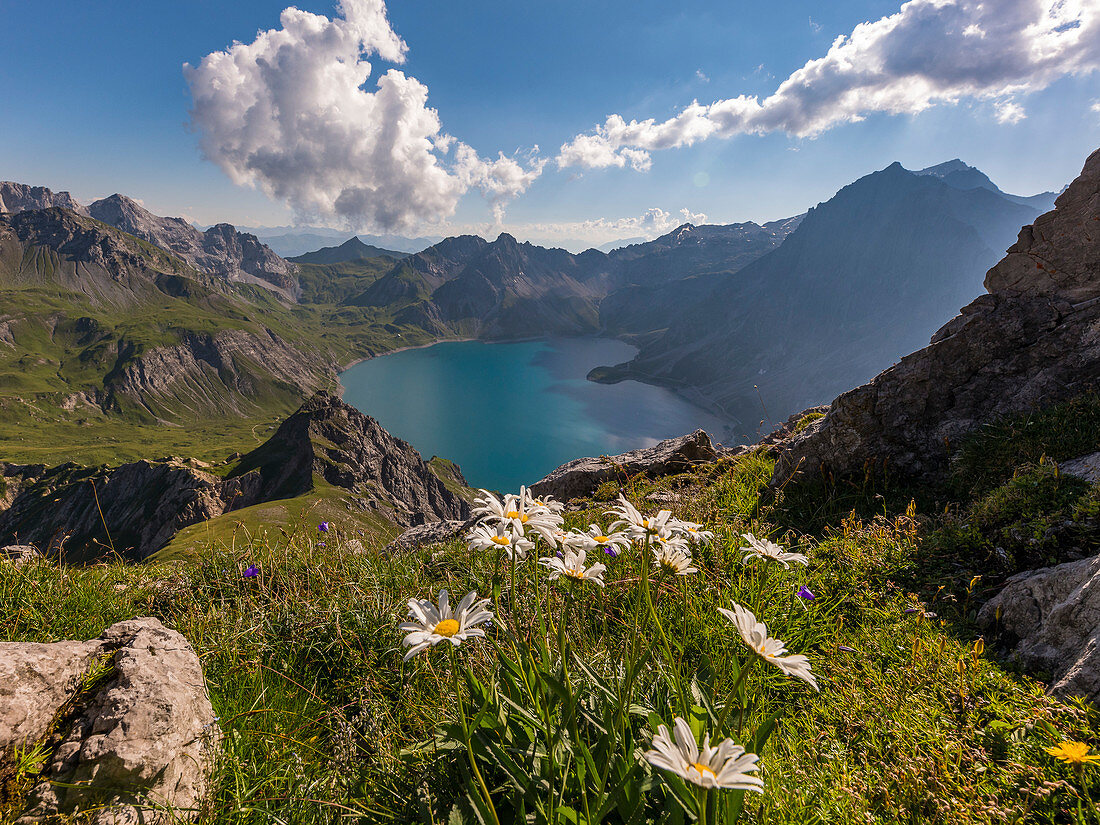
(575, 573)
(699, 766)
(501, 540)
(600, 539)
(516, 514)
(447, 627)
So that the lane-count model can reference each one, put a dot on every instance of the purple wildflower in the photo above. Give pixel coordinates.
(846, 649)
(251, 571)
(323, 526)
(805, 593)
(320, 544)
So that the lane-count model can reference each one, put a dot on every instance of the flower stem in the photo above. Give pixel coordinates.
(468, 741)
(733, 692)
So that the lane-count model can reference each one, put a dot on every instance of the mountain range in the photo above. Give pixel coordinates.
(753, 320)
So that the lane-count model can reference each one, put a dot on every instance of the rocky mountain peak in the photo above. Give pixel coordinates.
(19, 197)
(336, 442)
(220, 250)
(1058, 257)
(1028, 343)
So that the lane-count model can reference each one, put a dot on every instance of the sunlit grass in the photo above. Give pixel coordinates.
(304, 667)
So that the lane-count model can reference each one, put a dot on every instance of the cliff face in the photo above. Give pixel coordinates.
(217, 372)
(220, 250)
(333, 441)
(84, 513)
(1033, 340)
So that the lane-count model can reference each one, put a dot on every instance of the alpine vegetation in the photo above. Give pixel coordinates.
(554, 732)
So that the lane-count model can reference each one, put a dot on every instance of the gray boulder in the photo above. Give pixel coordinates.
(1053, 614)
(434, 532)
(20, 554)
(581, 477)
(131, 744)
(1086, 467)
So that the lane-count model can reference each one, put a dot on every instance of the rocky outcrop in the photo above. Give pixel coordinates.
(435, 532)
(1087, 467)
(347, 449)
(20, 554)
(221, 371)
(581, 477)
(220, 250)
(82, 513)
(1033, 340)
(1052, 619)
(19, 197)
(126, 720)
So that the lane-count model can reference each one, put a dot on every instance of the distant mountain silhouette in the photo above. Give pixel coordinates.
(352, 249)
(865, 278)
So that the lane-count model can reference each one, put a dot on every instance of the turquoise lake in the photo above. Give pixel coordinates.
(509, 413)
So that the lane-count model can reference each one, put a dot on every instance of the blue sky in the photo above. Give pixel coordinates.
(95, 100)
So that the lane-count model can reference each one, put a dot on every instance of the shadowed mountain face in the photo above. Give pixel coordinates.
(84, 513)
(865, 278)
(958, 175)
(1031, 341)
(507, 289)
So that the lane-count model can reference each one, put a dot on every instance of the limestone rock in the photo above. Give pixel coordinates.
(582, 476)
(1054, 616)
(435, 532)
(140, 739)
(1086, 467)
(1032, 341)
(20, 554)
(19, 197)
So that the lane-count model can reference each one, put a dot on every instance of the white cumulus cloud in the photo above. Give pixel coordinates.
(929, 52)
(291, 113)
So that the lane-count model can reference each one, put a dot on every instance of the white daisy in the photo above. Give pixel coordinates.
(755, 635)
(612, 543)
(547, 503)
(499, 537)
(637, 525)
(571, 564)
(691, 531)
(487, 505)
(724, 766)
(764, 549)
(673, 556)
(429, 625)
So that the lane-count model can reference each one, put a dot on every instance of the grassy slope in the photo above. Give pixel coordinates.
(55, 356)
(911, 725)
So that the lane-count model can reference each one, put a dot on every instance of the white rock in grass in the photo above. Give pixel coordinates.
(1054, 616)
(134, 747)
